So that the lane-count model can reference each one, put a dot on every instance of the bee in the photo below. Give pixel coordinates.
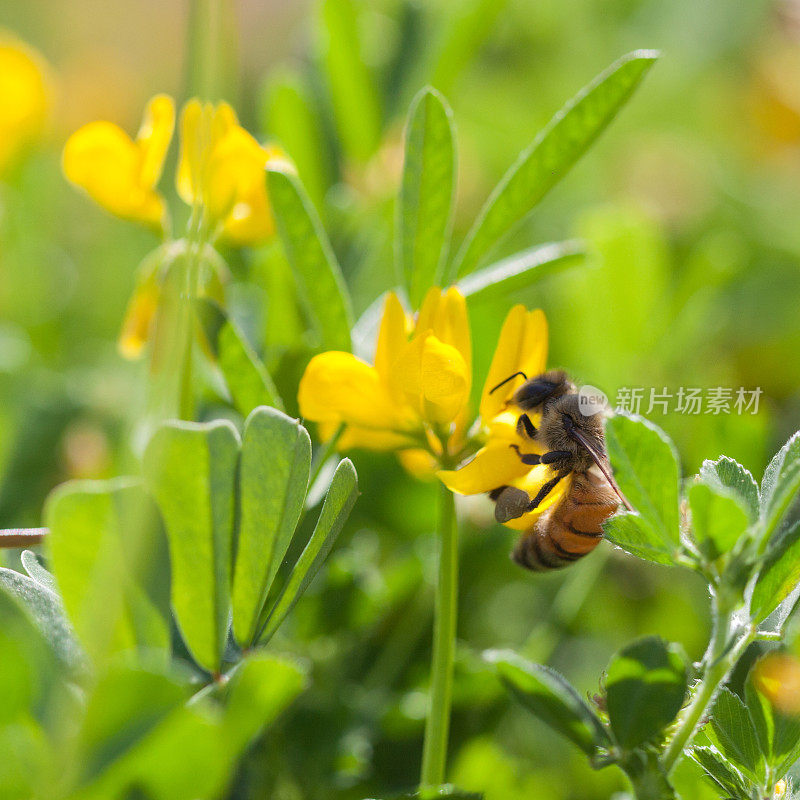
(574, 444)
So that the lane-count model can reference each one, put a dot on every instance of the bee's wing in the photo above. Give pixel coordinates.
(601, 460)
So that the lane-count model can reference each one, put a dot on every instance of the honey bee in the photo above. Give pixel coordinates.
(574, 443)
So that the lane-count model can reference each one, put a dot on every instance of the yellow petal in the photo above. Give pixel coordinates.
(338, 387)
(26, 98)
(194, 118)
(428, 311)
(445, 380)
(391, 337)
(419, 463)
(455, 324)
(405, 377)
(493, 466)
(154, 137)
(522, 346)
(139, 318)
(103, 160)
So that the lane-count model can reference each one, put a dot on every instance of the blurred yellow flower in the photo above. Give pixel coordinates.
(222, 167)
(120, 173)
(414, 398)
(24, 98)
(777, 677)
(221, 170)
(522, 347)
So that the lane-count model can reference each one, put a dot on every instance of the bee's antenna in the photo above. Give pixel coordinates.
(509, 378)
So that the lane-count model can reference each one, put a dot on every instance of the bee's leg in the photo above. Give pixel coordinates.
(531, 459)
(525, 428)
(554, 456)
(546, 489)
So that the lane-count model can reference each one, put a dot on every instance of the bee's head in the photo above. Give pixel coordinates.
(564, 416)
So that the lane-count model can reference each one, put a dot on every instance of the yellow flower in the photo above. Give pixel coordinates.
(222, 167)
(24, 98)
(120, 173)
(522, 347)
(414, 398)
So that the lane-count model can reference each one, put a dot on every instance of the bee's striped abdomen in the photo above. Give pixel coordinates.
(571, 529)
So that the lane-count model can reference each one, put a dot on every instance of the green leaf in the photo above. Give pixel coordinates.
(261, 687)
(292, 121)
(521, 270)
(562, 142)
(551, 698)
(778, 733)
(636, 536)
(102, 537)
(335, 511)
(446, 791)
(32, 565)
(718, 519)
(124, 707)
(733, 732)
(191, 471)
(138, 732)
(725, 473)
(780, 486)
(245, 375)
(779, 575)
(47, 610)
(353, 88)
(646, 469)
(273, 480)
(426, 196)
(317, 273)
(27, 654)
(646, 685)
(717, 768)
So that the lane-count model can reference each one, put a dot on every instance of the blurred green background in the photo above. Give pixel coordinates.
(689, 204)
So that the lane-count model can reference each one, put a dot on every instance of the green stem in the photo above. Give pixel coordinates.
(434, 751)
(211, 49)
(719, 660)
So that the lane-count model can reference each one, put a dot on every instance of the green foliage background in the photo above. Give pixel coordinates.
(689, 204)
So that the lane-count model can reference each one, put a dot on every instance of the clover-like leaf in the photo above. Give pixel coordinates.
(646, 469)
(779, 575)
(338, 503)
(191, 471)
(551, 155)
(646, 686)
(273, 480)
(780, 487)
(733, 732)
(720, 770)
(103, 535)
(718, 519)
(636, 535)
(316, 270)
(427, 192)
(726, 473)
(47, 610)
(31, 564)
(552, 699)
(521, 270)
(246, 377)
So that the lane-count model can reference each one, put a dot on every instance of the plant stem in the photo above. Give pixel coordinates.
(434, 751)
(205, 49)
(719, 660)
